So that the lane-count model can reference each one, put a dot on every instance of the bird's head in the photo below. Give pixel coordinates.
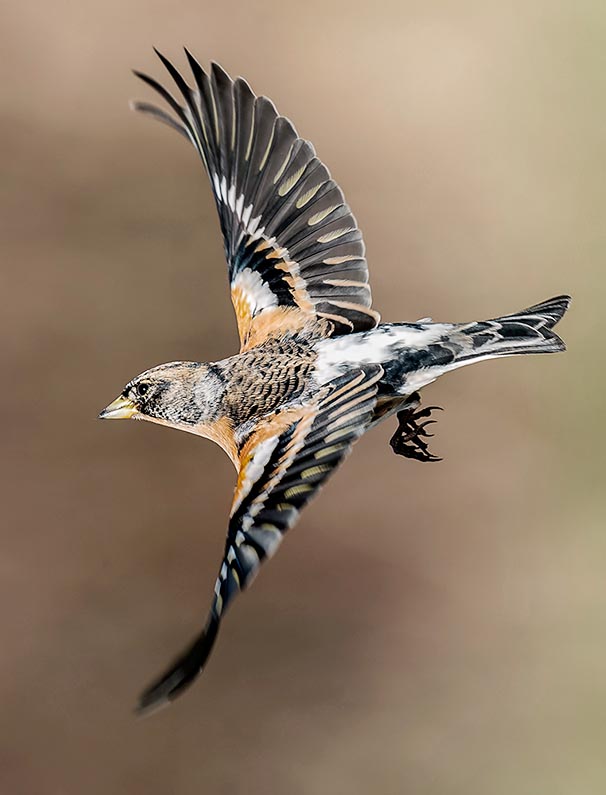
(179, 394)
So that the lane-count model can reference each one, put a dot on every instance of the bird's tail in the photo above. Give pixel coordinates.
(527, 331)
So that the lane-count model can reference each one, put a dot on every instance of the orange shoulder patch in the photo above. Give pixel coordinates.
(275, 322)
(266, 430)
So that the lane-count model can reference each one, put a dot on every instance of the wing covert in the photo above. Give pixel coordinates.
(294, 250)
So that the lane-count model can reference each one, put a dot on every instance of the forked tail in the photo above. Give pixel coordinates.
(527, 331)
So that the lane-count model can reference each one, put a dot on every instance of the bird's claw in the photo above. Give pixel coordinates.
(408, 440)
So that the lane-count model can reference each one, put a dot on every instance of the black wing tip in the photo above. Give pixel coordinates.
(196, 69)
(191, 59)
(214, 66)
(172, 69)
(181, 673)
(147, 706)
(161, 694)
(160, 55)
(217, 69)
(140, 75)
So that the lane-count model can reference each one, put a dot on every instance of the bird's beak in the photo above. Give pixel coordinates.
(121, 409)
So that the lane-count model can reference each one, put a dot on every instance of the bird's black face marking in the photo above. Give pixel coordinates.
(146, 394)
(178, 393)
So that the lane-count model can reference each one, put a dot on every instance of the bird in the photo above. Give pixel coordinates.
(316, 367)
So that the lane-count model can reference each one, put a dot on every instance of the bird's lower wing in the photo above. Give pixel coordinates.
(283, 463)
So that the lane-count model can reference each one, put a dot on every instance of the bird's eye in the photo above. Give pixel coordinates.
(142, 389)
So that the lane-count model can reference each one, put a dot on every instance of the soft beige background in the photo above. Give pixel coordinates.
(436, 630)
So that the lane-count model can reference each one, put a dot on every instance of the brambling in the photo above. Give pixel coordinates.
(316, 367)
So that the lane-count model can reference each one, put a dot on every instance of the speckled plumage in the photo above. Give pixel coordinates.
(261, 380)
(315, 369)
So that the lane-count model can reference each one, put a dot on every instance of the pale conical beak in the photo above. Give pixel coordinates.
(121, 409)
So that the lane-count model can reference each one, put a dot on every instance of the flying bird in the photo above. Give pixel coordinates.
(316, 367)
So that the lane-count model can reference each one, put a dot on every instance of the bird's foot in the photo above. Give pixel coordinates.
(409, 439)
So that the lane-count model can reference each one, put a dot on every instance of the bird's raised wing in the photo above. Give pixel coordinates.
(293, 247)
(282, 465)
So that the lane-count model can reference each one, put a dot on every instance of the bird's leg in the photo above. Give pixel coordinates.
(409, 439)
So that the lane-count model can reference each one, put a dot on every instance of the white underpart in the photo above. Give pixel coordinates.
(337, 355)
(255, 291)
(427, 375)
(420, 378)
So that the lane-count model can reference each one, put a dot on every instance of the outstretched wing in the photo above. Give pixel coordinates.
(293, 247)
(282, 465)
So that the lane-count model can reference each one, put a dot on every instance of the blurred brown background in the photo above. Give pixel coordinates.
(429, 630)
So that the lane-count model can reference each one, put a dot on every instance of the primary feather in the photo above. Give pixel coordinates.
(291, 241)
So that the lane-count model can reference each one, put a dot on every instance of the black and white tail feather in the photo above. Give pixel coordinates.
(413, 355)
(527, 331)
